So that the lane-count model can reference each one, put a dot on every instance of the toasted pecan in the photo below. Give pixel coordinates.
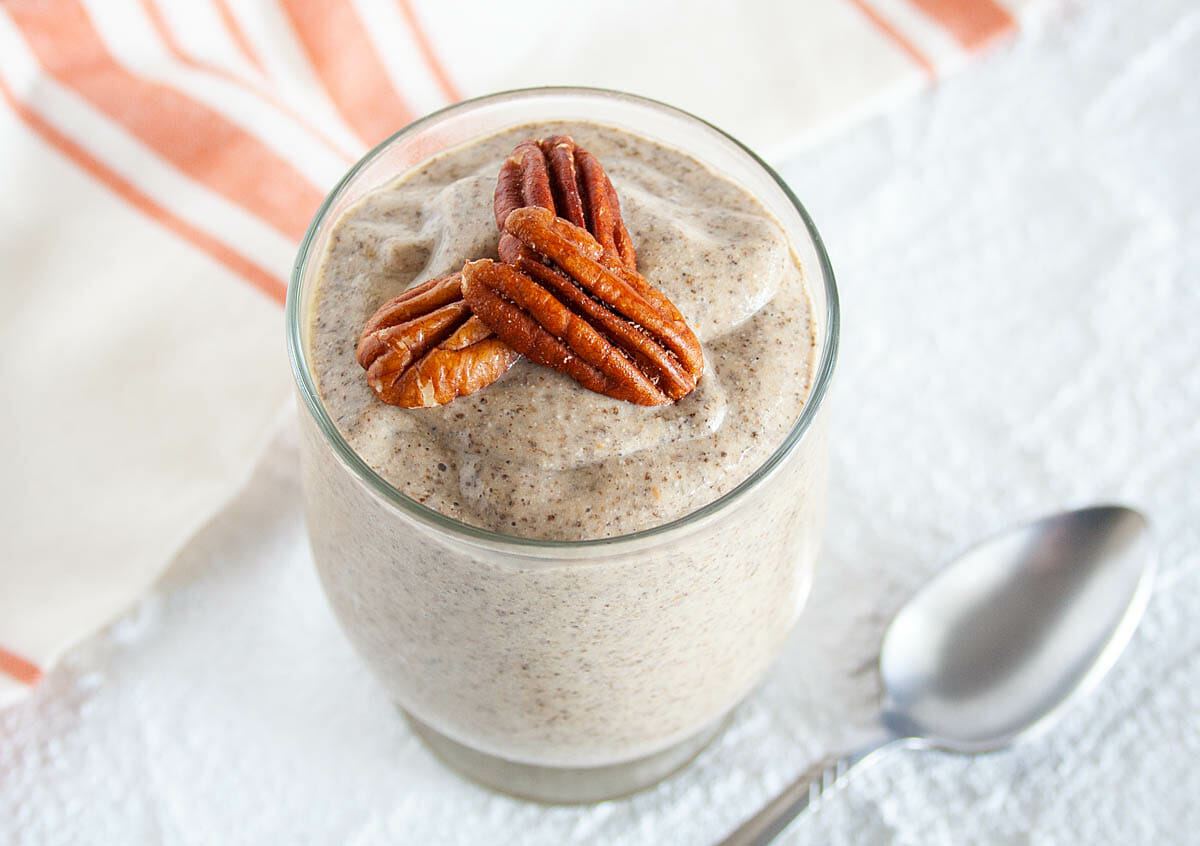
(557, 174)
(575, 308)
(424, 347)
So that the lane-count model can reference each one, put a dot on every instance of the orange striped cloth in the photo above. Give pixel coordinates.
(163, 157)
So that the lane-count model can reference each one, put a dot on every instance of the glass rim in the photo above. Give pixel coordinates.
(430, 516)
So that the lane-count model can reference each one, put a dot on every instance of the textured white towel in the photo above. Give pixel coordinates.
(163, 158)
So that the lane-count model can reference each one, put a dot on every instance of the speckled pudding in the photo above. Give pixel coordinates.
(535, 454)
(591, 653)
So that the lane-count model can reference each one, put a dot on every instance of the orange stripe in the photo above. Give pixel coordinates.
(973, 22)
(426, 46)
(268, 283)
(346, 62)
(16, 667)
(238, 35)
(176, 49)
(164, 32)
(193, 137)
(903, 43)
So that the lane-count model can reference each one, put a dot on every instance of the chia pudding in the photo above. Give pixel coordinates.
(570, 655)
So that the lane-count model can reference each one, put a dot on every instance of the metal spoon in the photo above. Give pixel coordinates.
(991, 649)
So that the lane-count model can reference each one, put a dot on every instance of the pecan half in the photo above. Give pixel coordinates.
(424, 347)
(576, 308)
(557, 174)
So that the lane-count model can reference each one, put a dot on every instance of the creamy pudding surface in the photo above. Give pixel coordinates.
(536, 455)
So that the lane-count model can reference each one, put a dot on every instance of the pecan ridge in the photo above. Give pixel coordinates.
(576, 308)
(557, 174)
(424, 347)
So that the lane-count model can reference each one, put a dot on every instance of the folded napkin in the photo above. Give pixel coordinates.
(162, 160)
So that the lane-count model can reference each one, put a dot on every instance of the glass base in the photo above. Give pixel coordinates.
(563, 785)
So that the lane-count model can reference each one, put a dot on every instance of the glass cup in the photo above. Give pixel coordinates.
(582, 670)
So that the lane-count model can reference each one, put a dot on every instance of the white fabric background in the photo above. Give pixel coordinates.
(1017, 255)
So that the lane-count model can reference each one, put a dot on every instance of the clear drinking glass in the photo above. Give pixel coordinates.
(566, 671)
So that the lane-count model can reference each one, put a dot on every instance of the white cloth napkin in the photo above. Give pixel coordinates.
(162, 160)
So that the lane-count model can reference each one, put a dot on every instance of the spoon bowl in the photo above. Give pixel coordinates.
(997, 643)
(992, 648)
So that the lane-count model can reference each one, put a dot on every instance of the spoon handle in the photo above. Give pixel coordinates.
(766, 825)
